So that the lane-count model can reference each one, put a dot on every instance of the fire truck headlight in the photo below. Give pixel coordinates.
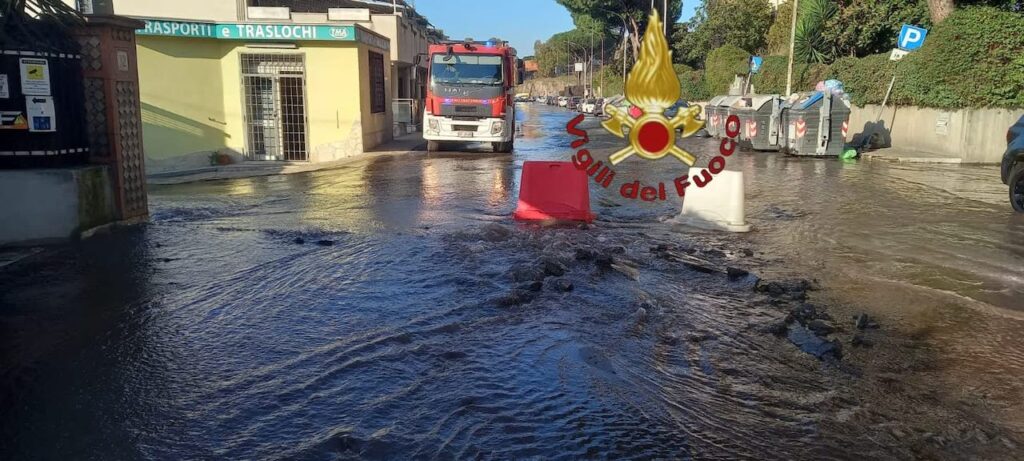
(497, 127)
(433, 125)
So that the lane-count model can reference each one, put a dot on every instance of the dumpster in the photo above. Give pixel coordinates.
(714, 122)
(816, 124)
(742, 109)
(722, 111)
(761, 123)
(732, 105)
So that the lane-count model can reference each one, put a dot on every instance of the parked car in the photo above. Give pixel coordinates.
(592, 106)
(587, 105)
(542, 98)
(563, 101)
(1012, 171)
(572, 103)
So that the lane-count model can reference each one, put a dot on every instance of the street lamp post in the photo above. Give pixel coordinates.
(792, 46)
(569, 56)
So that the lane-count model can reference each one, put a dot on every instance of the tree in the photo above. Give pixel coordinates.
(620, 17)
(554, 55)
(940, 9)
(866, 27)
(740, 23)
(777, 40)
(812, 43)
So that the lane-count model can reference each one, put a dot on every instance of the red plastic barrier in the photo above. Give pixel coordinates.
(553, 190)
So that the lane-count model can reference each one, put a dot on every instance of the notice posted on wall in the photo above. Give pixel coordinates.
(41, 116)
(5, 89)
(35, 77)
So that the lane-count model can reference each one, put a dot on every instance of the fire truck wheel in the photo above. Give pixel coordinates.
(433, 146)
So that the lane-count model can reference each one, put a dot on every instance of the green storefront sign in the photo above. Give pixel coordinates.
(235, 31)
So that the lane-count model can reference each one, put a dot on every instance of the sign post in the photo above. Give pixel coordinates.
(910, 39)
(755, 67)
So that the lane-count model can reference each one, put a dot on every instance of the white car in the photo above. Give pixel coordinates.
(563, 101)
(588, 106)
(541, 98)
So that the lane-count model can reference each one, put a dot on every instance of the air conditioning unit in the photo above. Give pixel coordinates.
(348, 14)
(97, 7)
(269, 12)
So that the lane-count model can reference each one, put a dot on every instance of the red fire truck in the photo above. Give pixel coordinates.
(470, 94)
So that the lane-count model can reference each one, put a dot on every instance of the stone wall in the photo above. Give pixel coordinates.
(973, 135)
(54, 205)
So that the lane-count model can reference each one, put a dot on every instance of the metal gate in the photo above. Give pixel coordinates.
(275, 106)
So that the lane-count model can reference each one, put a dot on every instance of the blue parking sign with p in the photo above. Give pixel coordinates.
(911, 37)
(755, 64)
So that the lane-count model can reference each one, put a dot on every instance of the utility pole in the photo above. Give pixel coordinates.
(625, 53)
(792, 46)
(590, 63)
(602, 64)
(664, 17)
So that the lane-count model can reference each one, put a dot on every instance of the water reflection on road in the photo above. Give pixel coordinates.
(351, 313)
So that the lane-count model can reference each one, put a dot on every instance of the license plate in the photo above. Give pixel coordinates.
(465, 134)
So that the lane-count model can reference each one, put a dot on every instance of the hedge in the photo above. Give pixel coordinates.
(865, 79)
(694, 88)
(973, 59)
(721, 67)
(772, 77)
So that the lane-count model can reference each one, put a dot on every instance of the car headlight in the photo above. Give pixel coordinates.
(433, 125)
(497, 127)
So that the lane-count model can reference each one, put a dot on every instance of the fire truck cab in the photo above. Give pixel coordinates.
(470, 94)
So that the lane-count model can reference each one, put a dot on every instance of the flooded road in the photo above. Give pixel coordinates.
(390, 309)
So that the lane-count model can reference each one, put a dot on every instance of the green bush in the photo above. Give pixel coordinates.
(975, 58)
(772, 77)
(865, 79)
(694, 88)
(722, 66)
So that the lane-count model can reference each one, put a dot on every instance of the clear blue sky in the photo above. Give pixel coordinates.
(521, 22)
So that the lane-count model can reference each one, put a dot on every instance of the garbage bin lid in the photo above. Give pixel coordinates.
(808, 100)
(759, 100)
(728, 101)
(715, 100)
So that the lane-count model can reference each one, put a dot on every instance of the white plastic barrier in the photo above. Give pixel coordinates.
(719, 205)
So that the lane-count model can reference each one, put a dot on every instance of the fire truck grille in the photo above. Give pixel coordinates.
(469, 111)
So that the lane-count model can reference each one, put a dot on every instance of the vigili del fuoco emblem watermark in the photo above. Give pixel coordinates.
(652, 86)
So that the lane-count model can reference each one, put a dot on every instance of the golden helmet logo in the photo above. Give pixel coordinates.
(652, 86)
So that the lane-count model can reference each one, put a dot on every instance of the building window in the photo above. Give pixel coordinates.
(377, 96)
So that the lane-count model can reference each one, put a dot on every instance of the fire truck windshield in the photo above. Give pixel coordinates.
(470, 69)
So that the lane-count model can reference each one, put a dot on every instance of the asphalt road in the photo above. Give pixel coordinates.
(389, 310)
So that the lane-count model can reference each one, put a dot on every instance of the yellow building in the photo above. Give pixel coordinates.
(263, 91)
(273, 79)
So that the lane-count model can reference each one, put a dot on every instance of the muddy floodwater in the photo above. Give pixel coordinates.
(391, 309)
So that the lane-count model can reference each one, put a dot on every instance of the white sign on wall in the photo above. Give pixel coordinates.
(35, 76)
(5, 90)
(269, 12)
(579, 67)
(897, 54)
(348, 14)
(41, 116)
